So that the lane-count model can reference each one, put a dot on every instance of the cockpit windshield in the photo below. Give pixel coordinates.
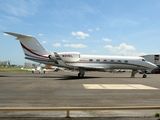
(143, 60)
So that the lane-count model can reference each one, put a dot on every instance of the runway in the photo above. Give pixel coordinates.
(65, 89)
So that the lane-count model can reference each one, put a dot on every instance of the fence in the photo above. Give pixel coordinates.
(68, 109)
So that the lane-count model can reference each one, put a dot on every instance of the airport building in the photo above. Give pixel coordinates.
(28, 65)
(3, 63)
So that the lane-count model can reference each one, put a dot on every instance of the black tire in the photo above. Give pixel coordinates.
(144, 76)
(80, 75)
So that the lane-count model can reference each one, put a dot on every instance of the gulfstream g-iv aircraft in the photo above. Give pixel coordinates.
(76, 61)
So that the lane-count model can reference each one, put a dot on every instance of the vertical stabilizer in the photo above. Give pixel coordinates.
(31, 47)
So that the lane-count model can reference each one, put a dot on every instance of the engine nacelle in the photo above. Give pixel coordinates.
(52, 57)
(66, 56)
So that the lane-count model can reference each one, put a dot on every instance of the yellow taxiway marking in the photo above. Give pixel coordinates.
(119, 86)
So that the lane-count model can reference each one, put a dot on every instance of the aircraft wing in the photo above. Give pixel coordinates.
(88, 67)
(47, 61)
(94, 68)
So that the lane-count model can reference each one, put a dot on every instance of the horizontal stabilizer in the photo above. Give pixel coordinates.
(18, 35)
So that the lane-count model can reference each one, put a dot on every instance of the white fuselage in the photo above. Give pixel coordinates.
(113, 62)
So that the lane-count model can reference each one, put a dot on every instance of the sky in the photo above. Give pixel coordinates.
(103, 27)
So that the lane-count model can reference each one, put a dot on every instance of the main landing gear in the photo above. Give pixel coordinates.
(81, 73)
(133, 73)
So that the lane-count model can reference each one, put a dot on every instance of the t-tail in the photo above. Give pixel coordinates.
(31, 47)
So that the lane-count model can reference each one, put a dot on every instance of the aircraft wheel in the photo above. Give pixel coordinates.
(144, 76)
(80, 75)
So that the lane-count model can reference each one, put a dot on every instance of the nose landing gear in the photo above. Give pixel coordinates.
(144, 76)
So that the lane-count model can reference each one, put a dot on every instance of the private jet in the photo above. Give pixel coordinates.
(34, 51)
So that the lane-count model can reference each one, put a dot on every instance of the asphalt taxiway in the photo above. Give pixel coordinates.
(65, 89)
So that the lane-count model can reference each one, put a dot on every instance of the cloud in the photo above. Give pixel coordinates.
(44, 42)
(65, 40)
(97, 28)
(40, 34)
(121, 49)
(57, 45)
(122, 22)
(90, 30)
(20, 8)
(138, 54)
(75, 45)
(106, 39)
(80, 35)
(94, 51)
(11, 18)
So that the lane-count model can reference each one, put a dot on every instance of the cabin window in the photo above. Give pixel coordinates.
(98, 60)
(104, 60)
(91, 60)
(112, 60)
(143, 59)
(119, 61)
(126, 61)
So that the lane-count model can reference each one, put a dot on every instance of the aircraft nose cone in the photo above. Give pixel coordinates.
(154, 66)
